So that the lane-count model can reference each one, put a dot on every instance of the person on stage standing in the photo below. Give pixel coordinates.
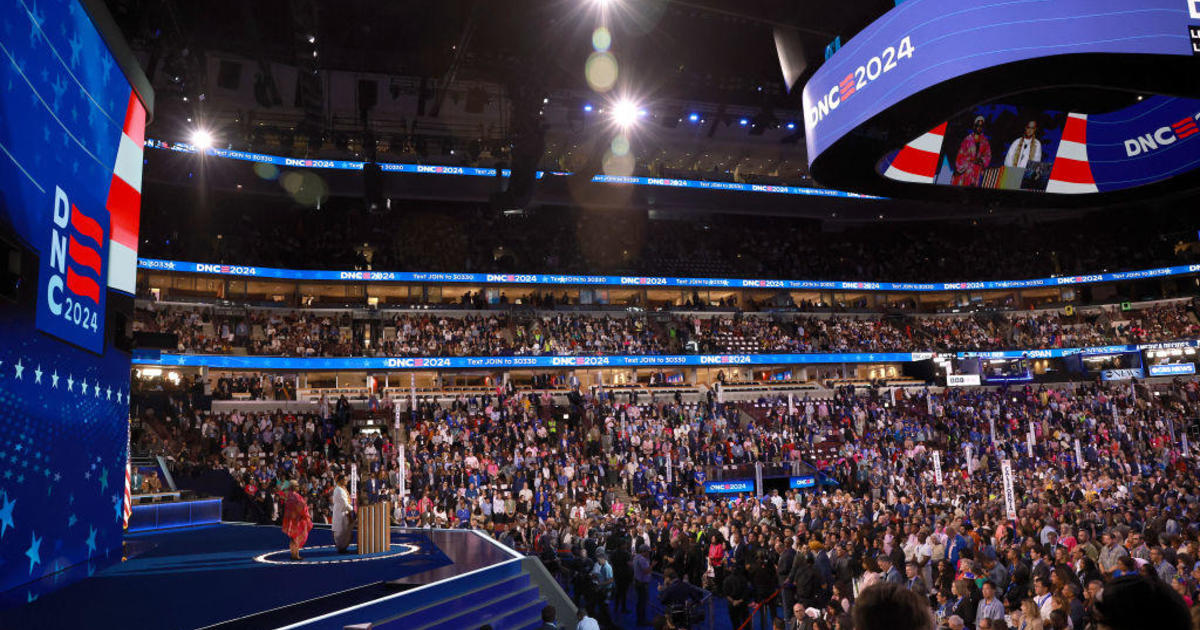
(297, 520)
(341, 515)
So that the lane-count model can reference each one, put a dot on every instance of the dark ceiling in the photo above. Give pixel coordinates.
(691, 49)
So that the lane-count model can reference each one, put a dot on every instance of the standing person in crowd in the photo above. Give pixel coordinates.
(342, 531)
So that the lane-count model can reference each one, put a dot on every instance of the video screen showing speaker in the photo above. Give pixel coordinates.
(71, 129)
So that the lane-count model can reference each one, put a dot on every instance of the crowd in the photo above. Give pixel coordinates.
(456, 237)
(303, 333)
(1103, 478)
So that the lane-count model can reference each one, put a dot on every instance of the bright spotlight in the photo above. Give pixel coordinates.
(743, 122)
(625, 113)
(202, 139)
(587, 107)
(694, 117)
(791, 125)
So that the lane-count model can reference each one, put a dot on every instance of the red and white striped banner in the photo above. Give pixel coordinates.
(125, 199)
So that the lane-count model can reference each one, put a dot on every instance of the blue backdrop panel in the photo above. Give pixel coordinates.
(63, 391)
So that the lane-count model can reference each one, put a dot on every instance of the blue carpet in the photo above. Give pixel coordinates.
(198, 577)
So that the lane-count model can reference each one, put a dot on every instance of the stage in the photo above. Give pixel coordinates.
(240, 576)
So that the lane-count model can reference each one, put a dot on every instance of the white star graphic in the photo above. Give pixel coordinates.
(37, 375)
(108, 394)
(54, 379)
(97, 389)
(20, 369)
(83, 386)
(70, 383)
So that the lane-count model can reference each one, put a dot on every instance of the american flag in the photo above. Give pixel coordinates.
(127, 510)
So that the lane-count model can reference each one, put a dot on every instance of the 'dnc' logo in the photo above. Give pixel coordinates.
(72, 277)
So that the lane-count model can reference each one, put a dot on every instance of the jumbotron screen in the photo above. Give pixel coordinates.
(71, 132)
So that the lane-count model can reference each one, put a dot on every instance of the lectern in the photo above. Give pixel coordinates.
(374, 527)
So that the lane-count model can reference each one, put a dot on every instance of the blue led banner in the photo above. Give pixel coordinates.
(1058, 353)
(729, 487)
(1172, 369)
(250, 271)
(922, 43)
(686, 360)
(470, 171)
(427, 363)
(798, 483)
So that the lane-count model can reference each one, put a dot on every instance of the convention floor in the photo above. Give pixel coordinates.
(238, 576)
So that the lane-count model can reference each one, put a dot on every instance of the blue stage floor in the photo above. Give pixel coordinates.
(204, 576)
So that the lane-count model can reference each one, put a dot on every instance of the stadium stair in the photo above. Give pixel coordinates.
(506, 603)
(507, 596)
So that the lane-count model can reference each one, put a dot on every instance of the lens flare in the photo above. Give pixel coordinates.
(601, 71)
(601, 39)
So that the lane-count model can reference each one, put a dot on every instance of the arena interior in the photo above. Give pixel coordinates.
(600, 314)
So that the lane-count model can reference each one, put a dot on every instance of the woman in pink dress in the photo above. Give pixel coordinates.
(974, 155)
(297, 520)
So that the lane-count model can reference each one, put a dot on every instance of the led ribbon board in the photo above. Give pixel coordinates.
(927, 60)
(648, 282)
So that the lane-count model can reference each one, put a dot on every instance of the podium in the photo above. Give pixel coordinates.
(374, 527)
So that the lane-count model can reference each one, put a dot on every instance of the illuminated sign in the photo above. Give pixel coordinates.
(962, 380)
(1172, 369)
(728, 487)
(797, 483)
(556, 279)
(72, 277)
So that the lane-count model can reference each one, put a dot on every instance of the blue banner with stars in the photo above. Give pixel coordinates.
(64, 400)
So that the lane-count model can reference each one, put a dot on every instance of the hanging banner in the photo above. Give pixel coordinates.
(670, 473)
(970, 461)
(1010, 504)
(992, 428)
(791, 405)
(937, 467)
(1029, 440)
(354, 484)
(402, 474)
(1079, 455)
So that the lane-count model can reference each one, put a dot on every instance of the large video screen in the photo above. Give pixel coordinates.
(1019, 148)
(71, 135)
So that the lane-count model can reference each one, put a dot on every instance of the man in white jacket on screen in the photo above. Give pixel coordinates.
(1025, 149)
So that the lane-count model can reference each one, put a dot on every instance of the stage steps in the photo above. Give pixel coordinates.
(507, 596)
(492, 603)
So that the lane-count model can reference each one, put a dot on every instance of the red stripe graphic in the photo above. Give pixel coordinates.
(84, 255)
(86, 225)
(124, 211)
(135, 120)
(1074, 171)
(1191, 131)
(1075, 130)
(916, 161)
(83, 286)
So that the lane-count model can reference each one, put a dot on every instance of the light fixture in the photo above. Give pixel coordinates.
(625, 113)
(202, 139)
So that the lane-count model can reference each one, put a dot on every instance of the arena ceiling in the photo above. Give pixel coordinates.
(696, 49)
